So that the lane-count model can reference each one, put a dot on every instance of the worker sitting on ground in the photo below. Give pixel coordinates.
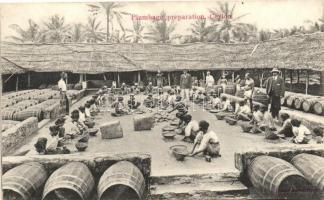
(244, 111)
(182, 109)
(164, 99)
(318, 132)
(172, 98)
(192, 93)
(135, 89)
(286, 129)
(257, 115)
(191, 129)
(87, 110)
(226, 105)
(55, 145)
(207, 140)
(123, 88)
(302, 135)
(149, 101)
(94, 104)
(215, 101)
(82, 116)
(149, 88)
(132, 103)
(119, 106)
(267, 120)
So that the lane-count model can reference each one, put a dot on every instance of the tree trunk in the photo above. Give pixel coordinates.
(139, 77)
(291, 79)
(17, 83)
(108, 19)
(307, 81)
(28, 80)
(169, 79)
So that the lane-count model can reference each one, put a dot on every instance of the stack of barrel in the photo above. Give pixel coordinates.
(73, 180)
(300, 179)
(303, 102)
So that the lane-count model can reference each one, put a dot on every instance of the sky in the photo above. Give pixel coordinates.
(264, 14)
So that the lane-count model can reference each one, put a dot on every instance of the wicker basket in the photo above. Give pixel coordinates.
(168, 128)
(89, 124)
(246, 128)
(220, 116)
(169, 134)
(81, 146)
(93, 131)
(179, 152)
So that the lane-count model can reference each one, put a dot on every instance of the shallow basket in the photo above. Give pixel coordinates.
(81, 146)
(179, 152)
(168, 128)
(84, 138)
(220, 116)
(169, 134)
(89, 124)
(231, 121)
(93, 131)
(246, 128)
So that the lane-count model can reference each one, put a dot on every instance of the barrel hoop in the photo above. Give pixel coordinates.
(81, 181)
(269, 170)
(274, 178)
(124, 182)
(54, 187)
(23, 193)
(22, 178)
(318, 180)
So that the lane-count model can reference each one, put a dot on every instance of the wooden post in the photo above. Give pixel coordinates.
(118, 79)
(297, 76)
(321, 83)
(307, 81)
(169, 79)
(261, 81)
(81, 78)
(67, 78)
(28, 80)
(284, 75)
(291, 79)
(85, 77)
(17, 82)
(139, 77)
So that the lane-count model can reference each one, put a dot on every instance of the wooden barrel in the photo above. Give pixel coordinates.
(25, 114)
(312, 167)
(283, 100)
(278, 177)
(318, 107)
(23, 181)
(261, 97)
(71, 181)
(230, 88)
(290, 100)
(218, 89)
(308, 104)
(7, 114)
(122, 180)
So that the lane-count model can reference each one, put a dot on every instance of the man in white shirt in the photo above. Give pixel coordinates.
(63, 88)
(207, 140)
(209, 81)
(191, 129)
(302, 134)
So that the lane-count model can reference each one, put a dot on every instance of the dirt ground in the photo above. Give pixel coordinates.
(163, 162)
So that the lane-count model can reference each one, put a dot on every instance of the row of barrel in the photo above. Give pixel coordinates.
(303, 102)
(26, 109)
(73, 181)
(302, 178)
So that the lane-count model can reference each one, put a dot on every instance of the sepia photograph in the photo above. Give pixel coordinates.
(162, 100)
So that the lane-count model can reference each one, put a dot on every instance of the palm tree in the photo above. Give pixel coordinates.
(56, 30)
(111, 11)
(227, 28)
(31, 34)
(264, 35)
(93, 31)
(77, 34)
(161, 30)
(136, 34)
(200, 30)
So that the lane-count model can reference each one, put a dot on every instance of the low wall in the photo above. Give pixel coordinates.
(98, 163)
(286, 152)
(15, 136)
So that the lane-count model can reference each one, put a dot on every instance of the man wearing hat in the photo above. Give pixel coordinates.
(209, 81)
(185, 84)
(64, 102)
(275, 88)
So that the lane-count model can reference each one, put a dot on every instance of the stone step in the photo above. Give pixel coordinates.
(193, 191)
(195, 178)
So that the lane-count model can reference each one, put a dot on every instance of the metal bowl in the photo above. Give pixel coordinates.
(81, 146)
(169, 134)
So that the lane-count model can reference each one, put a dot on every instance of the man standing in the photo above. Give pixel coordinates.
(159, 81)
(248, 89)
(209, 81)
(62, 87)
(185, 85)
(275, 88)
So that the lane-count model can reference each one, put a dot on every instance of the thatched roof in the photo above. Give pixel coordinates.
(8, 67)
(300, 51)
